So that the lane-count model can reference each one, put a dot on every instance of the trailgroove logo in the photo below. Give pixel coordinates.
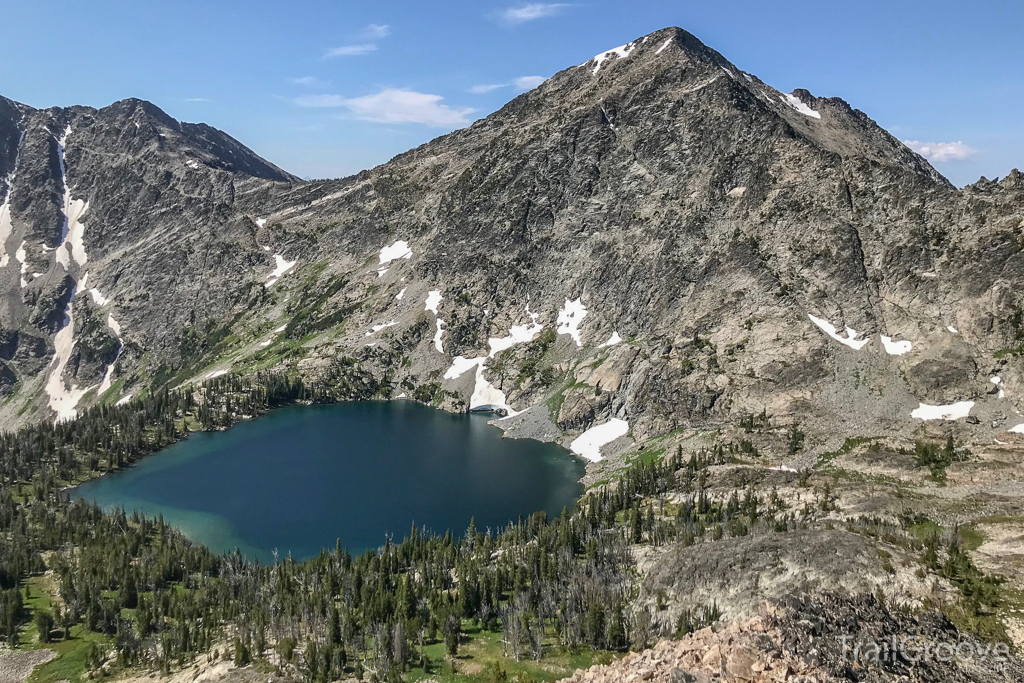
(915, 649)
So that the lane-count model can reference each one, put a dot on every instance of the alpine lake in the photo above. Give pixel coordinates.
(305, 478)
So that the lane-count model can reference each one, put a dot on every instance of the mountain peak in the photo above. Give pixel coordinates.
(673, 65)
(132, 125)
(657, 43)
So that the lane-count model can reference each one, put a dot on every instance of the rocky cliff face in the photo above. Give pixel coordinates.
(112, 220)
(652, 240)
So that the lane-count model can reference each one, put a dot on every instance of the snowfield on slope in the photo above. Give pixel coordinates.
(588, 444)
(953, 411)
(619, 52)
(283, 268)
(570, 318)
(434, 299)
(798, 104)
(896, 348)
(517, 334)
(851, 335)
(399, 249)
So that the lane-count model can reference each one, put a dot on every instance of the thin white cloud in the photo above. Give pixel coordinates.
(531, 11)
(521, 84)
(196, 99)
(524, 83)
(394, 105)
(941, 151)
(350, 50)
(376, 31)
(486, 88)
(308, 81)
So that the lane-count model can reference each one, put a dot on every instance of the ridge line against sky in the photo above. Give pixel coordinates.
(325, 89)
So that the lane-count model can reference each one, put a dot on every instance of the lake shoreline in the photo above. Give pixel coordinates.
(414, 463)
(512, 431)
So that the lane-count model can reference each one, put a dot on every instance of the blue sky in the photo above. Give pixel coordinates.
(326, 88)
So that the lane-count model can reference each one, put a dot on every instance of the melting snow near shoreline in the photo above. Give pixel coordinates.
(588, 444)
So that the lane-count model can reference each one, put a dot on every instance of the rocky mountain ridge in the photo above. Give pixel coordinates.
(703, 247)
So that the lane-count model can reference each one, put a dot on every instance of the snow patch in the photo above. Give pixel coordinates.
(612, 340)
(460, 364)
(737, 192)
(487, 397)
(108, 379)
(283, 268)
(216, 373)
(619, 52)
(399, 249)
(64, 400)
(123, 400)
(439, 336)
(517, 334)
(954, 411)
(849, 340)
(663, 46)
(261, 222)
(97, 297)
(1019, 429)
(6, 227)
(108, 376)
(74, 244)
(896, 348)
(953, 329)
(588, 444)
(433, 300)
(798, 104)
(569, 319)
(401, 295)
(377, 328)
(20, 256)
(72, 247)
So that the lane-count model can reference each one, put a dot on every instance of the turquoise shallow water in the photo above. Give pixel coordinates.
(300, 478)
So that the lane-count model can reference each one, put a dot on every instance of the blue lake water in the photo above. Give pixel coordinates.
(300, 478)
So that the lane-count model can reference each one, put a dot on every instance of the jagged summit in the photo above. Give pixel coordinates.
(132, 125)
(830, 123)
(656, 43)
